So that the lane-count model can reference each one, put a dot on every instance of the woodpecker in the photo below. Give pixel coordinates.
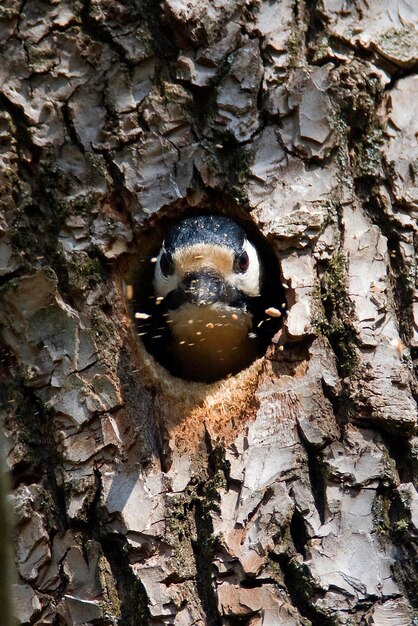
(207, 284)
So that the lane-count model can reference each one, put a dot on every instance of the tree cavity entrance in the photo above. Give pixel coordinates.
(204, 341)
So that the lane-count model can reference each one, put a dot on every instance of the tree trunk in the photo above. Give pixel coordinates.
(283, 495)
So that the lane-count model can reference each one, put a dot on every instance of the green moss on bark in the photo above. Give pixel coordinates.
(333, 318)
(42, 460)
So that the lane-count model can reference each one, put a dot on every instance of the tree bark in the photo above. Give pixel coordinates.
(285, 495)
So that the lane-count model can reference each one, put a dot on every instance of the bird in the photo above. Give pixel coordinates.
(207, 285)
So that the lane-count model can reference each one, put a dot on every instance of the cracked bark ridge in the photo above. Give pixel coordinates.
(388, 29)
(287, 494)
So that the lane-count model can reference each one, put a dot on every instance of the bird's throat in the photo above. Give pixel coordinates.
(211, 341)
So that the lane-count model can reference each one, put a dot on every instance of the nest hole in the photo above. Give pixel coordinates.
(152, 330)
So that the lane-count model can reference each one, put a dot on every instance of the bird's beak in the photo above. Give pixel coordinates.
(203, 288)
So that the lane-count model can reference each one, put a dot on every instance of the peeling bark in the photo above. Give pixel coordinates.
(287, 493)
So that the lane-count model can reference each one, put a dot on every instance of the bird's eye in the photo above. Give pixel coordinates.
(243, 262)
(166, 264)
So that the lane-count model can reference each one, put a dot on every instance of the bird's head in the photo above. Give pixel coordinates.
(207, 261)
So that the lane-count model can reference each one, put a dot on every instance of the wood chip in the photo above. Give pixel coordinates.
(142, 316)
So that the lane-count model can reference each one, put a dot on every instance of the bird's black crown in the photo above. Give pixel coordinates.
(210, 229)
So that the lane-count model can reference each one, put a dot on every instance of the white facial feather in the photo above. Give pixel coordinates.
(163, 284)
(249, 281)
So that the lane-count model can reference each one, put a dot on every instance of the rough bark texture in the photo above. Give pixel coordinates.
(285, 495)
